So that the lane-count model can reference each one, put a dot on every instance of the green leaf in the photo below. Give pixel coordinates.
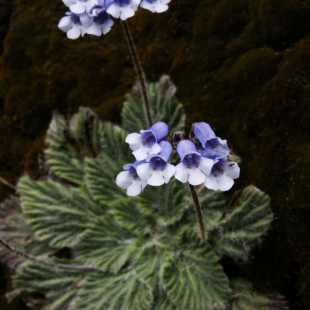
(69, 143)
(58, 285)
(105, 245)
(60, 156)
(166, 203)
(244, 225)
(245, 298)
(129, 216)
(101, 172)
(192, 276)
(58, 214)
(164, 107)
(124, 291)
(15, 230)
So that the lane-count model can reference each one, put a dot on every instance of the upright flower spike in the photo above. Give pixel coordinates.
(211, 145)
(130, 180)
(157, 171)
(147, 141)
(193, 168)
(122, 9)
(222, 175)
(155, 6)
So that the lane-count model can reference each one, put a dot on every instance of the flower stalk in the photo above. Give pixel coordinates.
(139, 71)
(198, 211)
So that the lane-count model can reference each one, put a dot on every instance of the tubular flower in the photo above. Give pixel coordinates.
(156, 171)
(130, 180)
(155, 6)
(193, 167)
(222, 175)
(146, 142)
(211, 145)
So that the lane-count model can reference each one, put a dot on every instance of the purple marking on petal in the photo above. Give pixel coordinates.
(148, 138)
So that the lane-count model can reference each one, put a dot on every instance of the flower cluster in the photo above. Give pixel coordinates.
(94, 16)
(204, 159)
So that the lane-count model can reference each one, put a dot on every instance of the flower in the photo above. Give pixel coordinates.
(210, 146)
(157, 6)
(193, 168)
(130, 180)
(122, 9)
(75, 25)
(156, 171)
(146, 143)
(222, 175)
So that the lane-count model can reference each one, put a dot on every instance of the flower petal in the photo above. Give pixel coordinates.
(135, 188)
(196, 177)
(124, 179)
(134, 140)
(232, 169)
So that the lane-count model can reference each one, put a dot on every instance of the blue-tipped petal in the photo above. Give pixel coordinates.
(160, 131)
(186, 147)
(165, 152)
(203, 132)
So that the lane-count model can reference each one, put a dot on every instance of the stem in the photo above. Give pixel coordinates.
(198, 211)
(47, 263)
(5, 182)
(138, 67)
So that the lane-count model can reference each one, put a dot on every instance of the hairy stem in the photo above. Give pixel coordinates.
(198, 211)
(47, 263)
(138, 68)
(6, 183)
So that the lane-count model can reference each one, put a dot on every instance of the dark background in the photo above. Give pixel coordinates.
(241, 65)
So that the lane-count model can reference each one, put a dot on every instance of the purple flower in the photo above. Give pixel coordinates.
(211, 145)
(157, 6)
(156, 171)
(130, 180)
(222, 175)
(193, 167)
(146, 143)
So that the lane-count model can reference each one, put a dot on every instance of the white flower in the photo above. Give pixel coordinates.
(193, 168)
(222, 175)
(155, 6)
(157, 171)
(146, 143)
(130, 180)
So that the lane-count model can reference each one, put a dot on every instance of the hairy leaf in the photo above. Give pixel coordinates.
(164, 107)
(58, 214)
(101, 172)
(244, 225)
(245, 298)
(106, 244)
(58, 285)
(193, 278)
(124, 291)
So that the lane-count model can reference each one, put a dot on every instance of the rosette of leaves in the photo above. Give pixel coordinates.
(104, 250)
